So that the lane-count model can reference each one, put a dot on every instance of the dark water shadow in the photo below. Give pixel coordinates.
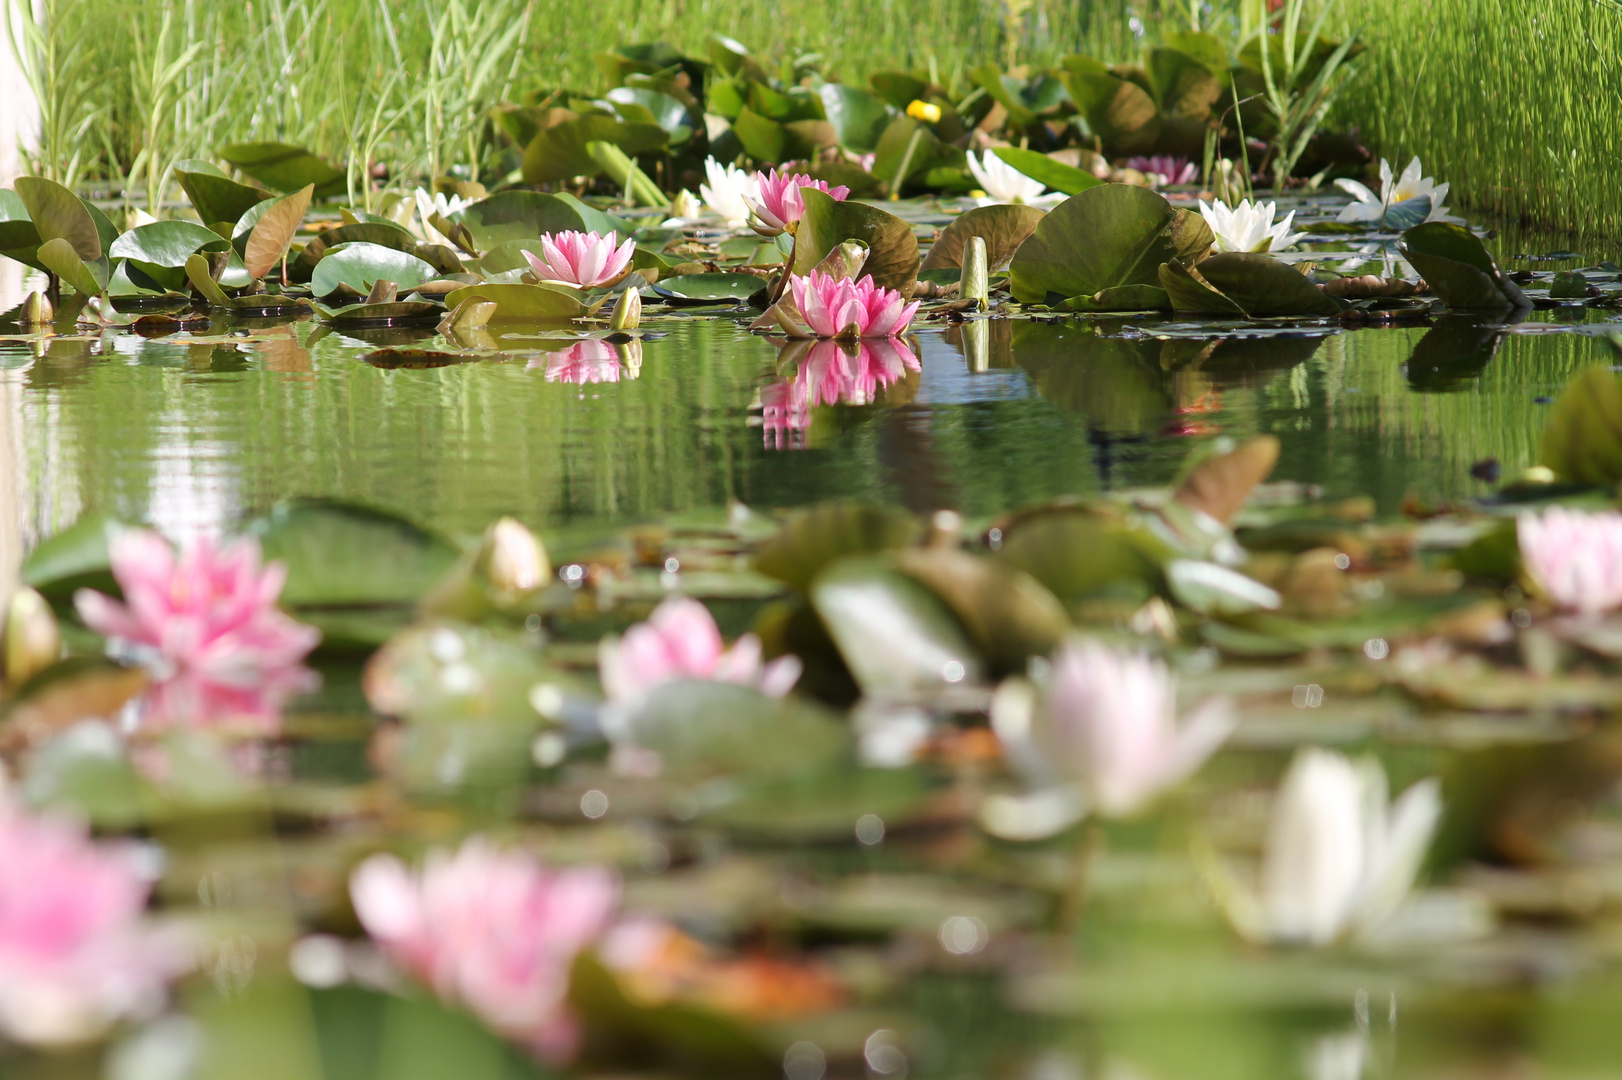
(1456, 350)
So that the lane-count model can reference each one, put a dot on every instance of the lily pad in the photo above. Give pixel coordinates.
(527, 215)
(60, 259)
(1106, 237)
(1003, 227)
(897, 637)
(892, 248)
(284, 168)
(1054, 174)
(273, 232)
(1262, 286)
(1459, 269)
(1120, 112)
(1188, 291)
(1582, 442)
(362, 232)
(1078, 555)
(389, 313)
(710, 288)
(160, 250)
(1009, 615)
(705, 730)
(812, 538)
(519, 301)
(219, 198)
(559, 152)
(1124, 298)
(58, 213)
(360, 266)
(343, 555)
(858, 117)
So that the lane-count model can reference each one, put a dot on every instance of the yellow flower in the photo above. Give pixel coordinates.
(926, 111)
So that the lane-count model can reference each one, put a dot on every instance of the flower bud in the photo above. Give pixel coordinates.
(975, 282)
(36, 310)
(627, 311)
(514, 560)
(32, 641)
(927, 111)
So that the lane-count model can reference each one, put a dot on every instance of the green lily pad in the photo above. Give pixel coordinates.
(710, 288)
(388, 235)
(640, 105)
(360, 266)
(812, 538)
(1188, 292)
(1079, 556)
(1054, 174)
(858, 117)
(1124, 298)
(160, 250)
(528, 215)
(705, 730)
(519, 301)
(559, 152)
(1003, 227)
(60, 258)
(219, 198)
(892, 248)
(1009, 615)
(1582, 442)
(58, 213)
(343, 555)
(989, 77)
(1262, 286)
(1118, 111)
(1459, 269)
(73, 559)
(928, 153)
(284, 168)
(1106, 237)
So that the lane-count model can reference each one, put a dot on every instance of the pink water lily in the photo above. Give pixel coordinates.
(1575, 558)
(249, 705)
(211, 611)
(829, 373)
(75, 956)
(841, 308)
(1172, 171)
(491, 930)
(681, 641)
(583, 260)
(779, 204)
(590, 361)
(1113, 726)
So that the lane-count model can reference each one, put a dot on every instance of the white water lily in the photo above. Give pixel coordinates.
(438, 203)
(1338, 858)
(1003, 183)
(1249, 226)
(729, 192)
(1393, 190)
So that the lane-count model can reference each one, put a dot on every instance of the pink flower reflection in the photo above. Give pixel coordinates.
(829, 373)
(74, 956)
(590, 361)
(250, 706)
(492, 930)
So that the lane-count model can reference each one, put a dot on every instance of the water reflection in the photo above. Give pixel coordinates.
(590, 361)
(1456, 350)
(833, 373)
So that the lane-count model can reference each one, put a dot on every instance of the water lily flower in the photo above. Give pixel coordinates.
(583, 260)
(730, 192)
(1393, 190)
(1003, 183)
(1575, 558)
(778, 203)
(491, 930)
(211, 612)
(1114, 727)
(589, 361)
(75, 956)
(681, 641)
(841, 308)
(1168, 171)
(1337, 858)
(438, 203)
(1248, 227)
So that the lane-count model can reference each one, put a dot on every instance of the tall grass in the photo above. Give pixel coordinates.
(1516, 103)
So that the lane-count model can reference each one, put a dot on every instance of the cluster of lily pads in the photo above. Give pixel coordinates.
(559, 752)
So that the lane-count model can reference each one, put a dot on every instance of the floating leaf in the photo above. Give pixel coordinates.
(1124, 298)
(892, 249)
(559, 152)
(274, 231)
(393, 313)
(160, 250)
(1109, 236)
(60, 259)
(710, 288)
(1582, 442)
(1190, 292)
(812, 538)
(364, 232)
(897, 637)
(519, 301)
(1211, 589)
(218, 198)
(1078, 555)
(1262, 286)
(705, 730)
(1003, 227)
(1009, 615)
(58, 213)
(360, 266)
(1458, 268)
(1054, 174)
(528, 215)
(342, 555)
(284, 168)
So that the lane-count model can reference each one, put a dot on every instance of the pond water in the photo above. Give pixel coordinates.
(195, 432)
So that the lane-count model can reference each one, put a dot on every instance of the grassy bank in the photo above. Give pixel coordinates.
(1515, 103)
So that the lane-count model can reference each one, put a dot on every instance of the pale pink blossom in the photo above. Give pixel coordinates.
(681, 641)
(1574, 557)
(211, 611)
(779, 204)
(589, 361)
(250, 705)
(491, 930)
(1172, 171)
(1114, 726)
(829, 373)
(841, 308)
(75, 956)
(583, 260)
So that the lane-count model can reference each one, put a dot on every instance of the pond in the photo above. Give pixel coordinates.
(855, 923)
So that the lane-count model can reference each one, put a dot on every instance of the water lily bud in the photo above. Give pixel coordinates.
(627, 311)
(685, 205)
(976, 275)
(37, 310)
(514, 560)
(32, 640)
(927, 111)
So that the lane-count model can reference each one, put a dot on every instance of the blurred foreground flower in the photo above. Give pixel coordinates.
(250, 707)
(1575, 558)
(778, 203)
(211, 612)
(582, 260)
(1169, 171)
(1337, 857)
(729, 192)
(681, 641)
(1393, 190)
(841, 308)
(494, 931)
(75, 956)
(591, 361)
(1005, 184)
(1248, 227)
